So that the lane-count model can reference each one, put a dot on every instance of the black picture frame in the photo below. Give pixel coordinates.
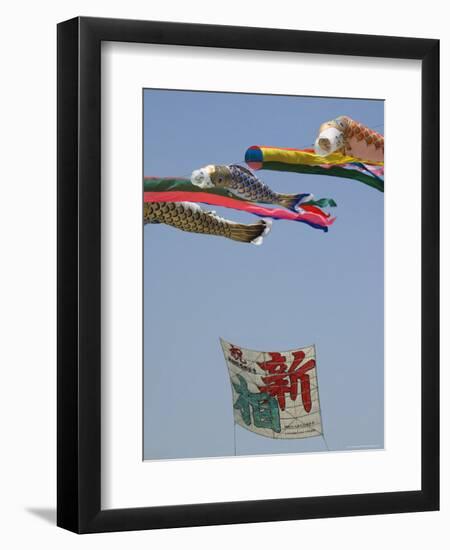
(79, 277)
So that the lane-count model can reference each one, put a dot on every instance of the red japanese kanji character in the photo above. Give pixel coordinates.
(281, 382)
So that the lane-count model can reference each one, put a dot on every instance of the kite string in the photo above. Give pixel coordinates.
(234, 430)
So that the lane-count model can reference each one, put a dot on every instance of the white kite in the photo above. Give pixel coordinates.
(275, 394)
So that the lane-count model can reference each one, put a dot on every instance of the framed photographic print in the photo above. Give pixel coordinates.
(248, 318)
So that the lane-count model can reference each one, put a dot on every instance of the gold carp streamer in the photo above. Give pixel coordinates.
(188, 216)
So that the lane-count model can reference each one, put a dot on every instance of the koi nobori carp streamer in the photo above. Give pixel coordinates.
(345, 135)
(188, 216)
(306, 161)
(182, 190)
(245, 184)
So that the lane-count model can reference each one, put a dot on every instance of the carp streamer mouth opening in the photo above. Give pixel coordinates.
(328, 141)
(324, 145)
(201, 179)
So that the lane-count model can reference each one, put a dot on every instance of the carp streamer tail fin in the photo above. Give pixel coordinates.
(252, 233)
(292, 202)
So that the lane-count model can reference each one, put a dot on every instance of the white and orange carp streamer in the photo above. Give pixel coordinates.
(346, 136)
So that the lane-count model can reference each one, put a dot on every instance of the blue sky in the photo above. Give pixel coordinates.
(301, 287)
